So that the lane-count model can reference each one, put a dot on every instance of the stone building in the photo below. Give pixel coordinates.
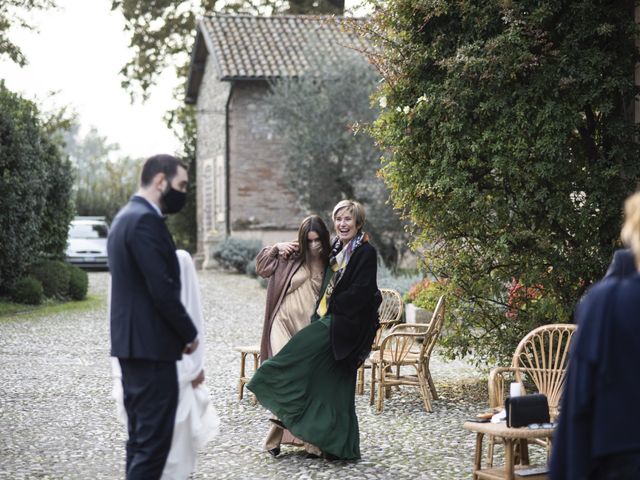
(242, 187)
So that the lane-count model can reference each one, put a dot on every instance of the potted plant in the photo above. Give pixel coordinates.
(422, 299)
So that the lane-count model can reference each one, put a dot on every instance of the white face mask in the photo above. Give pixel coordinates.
(315, 249)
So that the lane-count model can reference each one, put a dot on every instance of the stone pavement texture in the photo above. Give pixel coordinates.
(57, 417)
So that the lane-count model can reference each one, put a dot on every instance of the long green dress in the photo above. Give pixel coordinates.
(311, 393)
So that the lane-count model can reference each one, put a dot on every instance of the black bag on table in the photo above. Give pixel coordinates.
(526, 409)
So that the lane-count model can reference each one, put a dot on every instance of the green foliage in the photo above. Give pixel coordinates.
(513, 146)
(184, 225)
(104, 181)
(12, 17)
(426, 293)
(27, 290)
(327, 157)
(54, 277)
(78, 283)
(34, 186)
(236, 253)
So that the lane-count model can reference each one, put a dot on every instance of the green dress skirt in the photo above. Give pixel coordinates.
(311, 393)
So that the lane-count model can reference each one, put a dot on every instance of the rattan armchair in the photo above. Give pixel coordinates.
(539, 362)
(402, 349)
(390, 314)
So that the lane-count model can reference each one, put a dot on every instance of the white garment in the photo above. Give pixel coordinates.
(196, 420)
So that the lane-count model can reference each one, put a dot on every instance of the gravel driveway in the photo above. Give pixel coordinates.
(57, 419)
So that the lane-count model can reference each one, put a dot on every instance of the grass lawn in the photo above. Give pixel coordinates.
(10, 310)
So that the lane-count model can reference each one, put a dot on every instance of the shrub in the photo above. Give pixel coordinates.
(425, 294)
(27, 290)
(251, 268)
(78, 283)
(401, 282)
(236, 253)
(54, 276)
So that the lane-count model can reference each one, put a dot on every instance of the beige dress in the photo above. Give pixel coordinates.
(293, 315)
(297, 307)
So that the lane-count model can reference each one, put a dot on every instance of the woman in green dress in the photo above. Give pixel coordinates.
(310, 384)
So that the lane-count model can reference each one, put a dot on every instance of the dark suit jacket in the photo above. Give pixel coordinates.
(622, 264)
(599, 416)
(148, 320)
(354, 307)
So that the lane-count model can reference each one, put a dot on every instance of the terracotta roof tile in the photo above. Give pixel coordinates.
(251, 47)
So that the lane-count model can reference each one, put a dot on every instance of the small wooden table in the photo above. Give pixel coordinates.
(511, 436)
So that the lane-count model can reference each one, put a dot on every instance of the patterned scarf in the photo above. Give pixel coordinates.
(338, 261)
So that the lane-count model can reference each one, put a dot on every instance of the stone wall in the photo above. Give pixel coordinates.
(211, 122)
(260, 197)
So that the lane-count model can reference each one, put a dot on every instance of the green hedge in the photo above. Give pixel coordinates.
(54, 276)
(78, 283)
(27, 290)
(236, 253)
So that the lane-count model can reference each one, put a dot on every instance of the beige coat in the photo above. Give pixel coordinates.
(279, 272)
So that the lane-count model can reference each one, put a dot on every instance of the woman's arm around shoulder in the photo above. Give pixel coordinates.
(269, 258)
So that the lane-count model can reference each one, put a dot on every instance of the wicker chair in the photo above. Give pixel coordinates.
(400, 349)
(540, 361)
(390, 314)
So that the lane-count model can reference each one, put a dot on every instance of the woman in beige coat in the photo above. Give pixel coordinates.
(295, 271)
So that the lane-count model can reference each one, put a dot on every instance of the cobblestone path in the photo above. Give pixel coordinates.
(57, 418)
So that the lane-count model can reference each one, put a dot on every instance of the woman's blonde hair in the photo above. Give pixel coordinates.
(630, 233)
(354, 208)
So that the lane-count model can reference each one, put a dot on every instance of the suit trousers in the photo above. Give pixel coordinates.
(150, 398)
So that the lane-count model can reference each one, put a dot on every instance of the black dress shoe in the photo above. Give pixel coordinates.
(311, 455)
(274, 452)
(277, 422)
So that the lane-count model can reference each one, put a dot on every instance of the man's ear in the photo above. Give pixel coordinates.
(158, 180)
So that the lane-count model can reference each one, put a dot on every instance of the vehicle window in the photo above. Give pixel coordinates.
(88, 231)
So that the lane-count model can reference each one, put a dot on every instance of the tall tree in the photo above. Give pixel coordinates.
(513, 149)
(328, 157)
(12, 15)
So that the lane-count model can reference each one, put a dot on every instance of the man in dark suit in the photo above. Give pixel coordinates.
(622, 264)
(150, 328)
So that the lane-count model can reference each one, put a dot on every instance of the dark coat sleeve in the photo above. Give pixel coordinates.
(149, 250)
(354, 305)
(622, 264)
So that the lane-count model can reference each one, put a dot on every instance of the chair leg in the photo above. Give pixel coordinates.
(243, 357)
(432, 386)
(360, 380)
(256, 356)
(381, 389)
(490, 446)
(424, 390)
(372, 392)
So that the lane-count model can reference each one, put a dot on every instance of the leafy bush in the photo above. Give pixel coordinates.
(54, 277)
(27, 290)
(251, 268)
(78, 283)
(513, 148)
(34, 188)
(425, 294)
(401, 283)
(236, 253)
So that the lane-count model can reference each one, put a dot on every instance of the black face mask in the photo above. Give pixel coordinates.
(172, 201)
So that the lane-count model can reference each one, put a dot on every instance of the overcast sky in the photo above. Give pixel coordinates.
(78, 53)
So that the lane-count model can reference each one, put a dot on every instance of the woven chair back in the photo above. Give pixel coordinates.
(389, 312)
(435, 327)
(397, 345)
(541, 357)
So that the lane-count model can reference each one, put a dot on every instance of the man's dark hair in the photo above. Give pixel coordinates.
(163, 163)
